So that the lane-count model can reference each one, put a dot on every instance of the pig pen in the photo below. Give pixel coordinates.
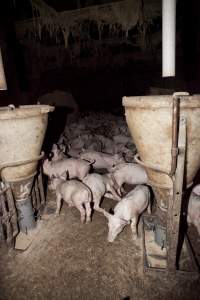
(68, 260)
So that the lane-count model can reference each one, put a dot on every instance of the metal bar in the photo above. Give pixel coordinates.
(6, 221)
(12, 211)
(41, 187)
(33, 199)
(174, 150)
(174, 206)
(2, 234)
(149, 165)
(19, 163)
(37, 195)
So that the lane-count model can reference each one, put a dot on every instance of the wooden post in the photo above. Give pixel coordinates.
(175, 199)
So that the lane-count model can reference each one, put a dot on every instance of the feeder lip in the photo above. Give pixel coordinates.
(24, 111)
(160, 101)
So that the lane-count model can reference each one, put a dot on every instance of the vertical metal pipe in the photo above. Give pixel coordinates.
(175, 120)
(3, 84)
(168, 37)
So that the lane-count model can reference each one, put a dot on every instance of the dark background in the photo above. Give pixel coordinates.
(124, 69)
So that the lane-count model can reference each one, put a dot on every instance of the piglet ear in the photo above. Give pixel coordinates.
(106, 214)
(44, 158)
(50, 156)
(62, 148)
(196, 189)
(62, 176)
(127, 222)
(58, 146)
(111, 211)
(67, 175)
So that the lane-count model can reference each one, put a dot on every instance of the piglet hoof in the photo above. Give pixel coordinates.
(88, 221)
(134, 237)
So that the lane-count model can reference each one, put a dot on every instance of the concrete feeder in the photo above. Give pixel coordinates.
(166, 132)
(22, 132)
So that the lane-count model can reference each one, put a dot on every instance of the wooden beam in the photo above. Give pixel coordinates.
(174, 207)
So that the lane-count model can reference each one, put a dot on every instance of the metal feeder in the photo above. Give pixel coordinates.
(22, 132)
(166, 131)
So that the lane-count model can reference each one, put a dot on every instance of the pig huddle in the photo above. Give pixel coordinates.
(99, 132)
(99, 141)
(72, 181)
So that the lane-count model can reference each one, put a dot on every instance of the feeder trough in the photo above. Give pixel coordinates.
(166, 132)
(22, 132)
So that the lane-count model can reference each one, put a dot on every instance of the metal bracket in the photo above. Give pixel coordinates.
(19, 163)
(148, 165)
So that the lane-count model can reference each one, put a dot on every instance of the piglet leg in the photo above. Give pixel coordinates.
(149, 208)
(58, 204)
(88, 212)
(110, 196)
(82, 212)
(134, 227)
(115, 193)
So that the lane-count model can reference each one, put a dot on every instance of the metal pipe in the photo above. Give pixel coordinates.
(21, 162)
(3, 84)
(175, 121)
(168, 37)
(149, 165)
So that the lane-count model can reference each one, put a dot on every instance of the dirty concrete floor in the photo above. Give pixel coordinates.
(68, 260)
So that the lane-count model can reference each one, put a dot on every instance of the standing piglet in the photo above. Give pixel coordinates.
(74, 193)
(102, 160)
(77, 168)
(98, 187)
(129, 173)
(193, 216)
(127, 211)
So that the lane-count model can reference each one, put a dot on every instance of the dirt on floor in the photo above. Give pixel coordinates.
(70, 260)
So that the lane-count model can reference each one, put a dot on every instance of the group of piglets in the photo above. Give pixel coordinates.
(100, 141)
(72, 180)
(99, 132)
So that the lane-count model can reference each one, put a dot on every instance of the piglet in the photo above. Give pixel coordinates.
(73, 152)
(74, 193)
(130, 173)
(111, 186)
(102, 160)
(127, 211)
(193, 216)
(122, 139)
(57, 152)
(77, 168)
(99, 188)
